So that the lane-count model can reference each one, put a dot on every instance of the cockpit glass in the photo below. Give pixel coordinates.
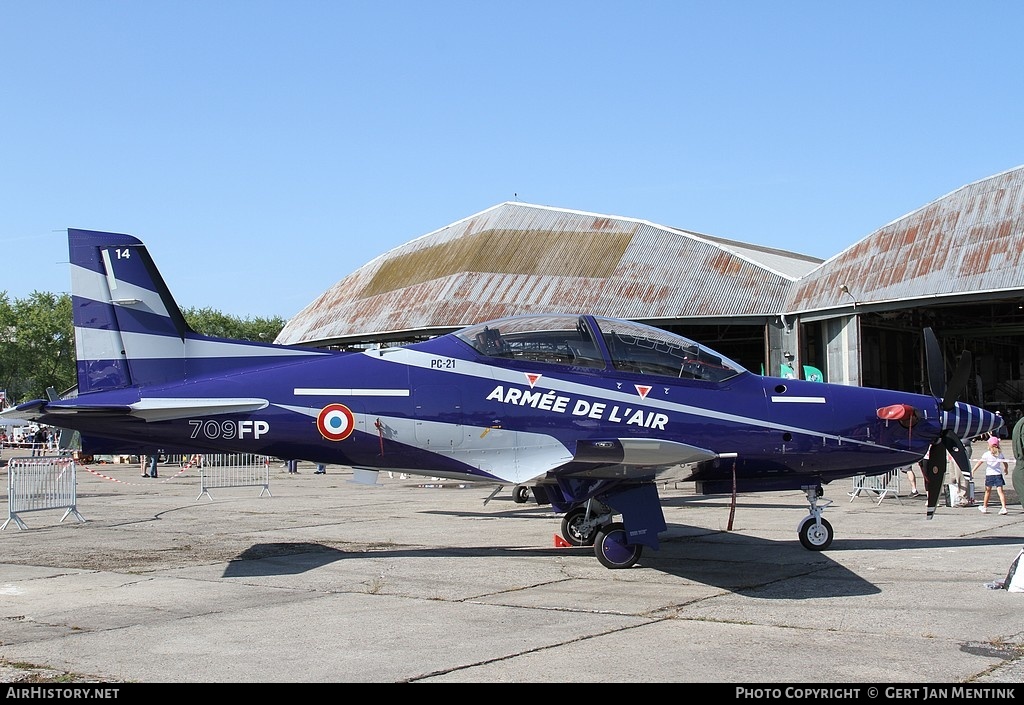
(636, 347)
(567, 339)
(561, 339)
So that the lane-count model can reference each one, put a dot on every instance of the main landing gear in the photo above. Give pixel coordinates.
(815, 532)
(591, 524)
(521, 494)
(612, 548)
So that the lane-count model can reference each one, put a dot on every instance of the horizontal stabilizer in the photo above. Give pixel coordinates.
(163, 409)
(29, 411)
(153, 408)
(91, 409)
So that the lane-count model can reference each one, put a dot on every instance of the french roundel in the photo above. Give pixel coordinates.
(335, 422)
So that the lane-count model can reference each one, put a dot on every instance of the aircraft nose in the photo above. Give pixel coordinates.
(968, 421)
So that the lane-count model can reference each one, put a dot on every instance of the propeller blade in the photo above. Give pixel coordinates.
(958, 382)
(936, 366)
(934, 472)
(958, 452)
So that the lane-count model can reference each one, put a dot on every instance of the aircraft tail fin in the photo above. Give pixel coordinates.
(129, 332)
(128, 329)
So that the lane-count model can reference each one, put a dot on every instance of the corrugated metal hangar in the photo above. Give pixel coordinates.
(954, 264)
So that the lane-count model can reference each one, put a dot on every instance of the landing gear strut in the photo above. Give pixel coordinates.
(591, 524)
(581, 524)
(815, 532)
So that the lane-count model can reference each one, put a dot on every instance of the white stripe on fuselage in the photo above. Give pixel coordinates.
(799, 400)
(107, 344)
(145, 346)
(348, 392)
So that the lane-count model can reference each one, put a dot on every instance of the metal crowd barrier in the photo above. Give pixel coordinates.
(221, 470)
(40, 483)
(888, 483)
(35, 449)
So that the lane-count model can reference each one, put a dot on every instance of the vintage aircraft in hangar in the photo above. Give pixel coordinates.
(590, 412)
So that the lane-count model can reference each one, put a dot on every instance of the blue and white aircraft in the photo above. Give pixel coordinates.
(590, 412)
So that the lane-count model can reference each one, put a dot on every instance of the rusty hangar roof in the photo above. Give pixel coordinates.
(516, 258)
(967, 244)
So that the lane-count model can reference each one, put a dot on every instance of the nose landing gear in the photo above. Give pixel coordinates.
(815, 532)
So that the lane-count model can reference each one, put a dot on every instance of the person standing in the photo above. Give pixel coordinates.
(995, 467)
(913, 480)
(39, 441)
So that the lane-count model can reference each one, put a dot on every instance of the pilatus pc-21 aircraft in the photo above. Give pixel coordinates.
(590, 412)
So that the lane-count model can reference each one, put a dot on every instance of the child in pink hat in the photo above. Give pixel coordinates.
(995, 467)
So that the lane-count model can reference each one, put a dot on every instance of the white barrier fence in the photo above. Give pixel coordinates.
(880, 486)
(41, 483)
(233, 470)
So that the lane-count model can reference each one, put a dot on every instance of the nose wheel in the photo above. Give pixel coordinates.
(815, 535)
(815, 532)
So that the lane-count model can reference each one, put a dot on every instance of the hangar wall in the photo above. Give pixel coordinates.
(954, 264)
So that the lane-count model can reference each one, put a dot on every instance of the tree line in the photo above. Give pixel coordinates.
(37, 341)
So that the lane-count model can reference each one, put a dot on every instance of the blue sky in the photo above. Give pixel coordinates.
(263, 150)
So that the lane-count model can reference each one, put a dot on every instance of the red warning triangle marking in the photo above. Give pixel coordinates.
(532, 378)
(560, 542)
(642, 390)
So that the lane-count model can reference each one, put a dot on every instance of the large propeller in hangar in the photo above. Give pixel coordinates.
(947, 393)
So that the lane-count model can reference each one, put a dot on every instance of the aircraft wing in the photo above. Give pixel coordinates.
(147, 409)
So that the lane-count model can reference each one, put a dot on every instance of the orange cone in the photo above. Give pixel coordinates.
(561, 543)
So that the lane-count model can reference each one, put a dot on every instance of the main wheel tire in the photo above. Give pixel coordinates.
(520, 494)
(814, 537)
(612, 549)
(572, 530)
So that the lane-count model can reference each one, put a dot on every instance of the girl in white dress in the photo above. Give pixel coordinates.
(995, 467)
